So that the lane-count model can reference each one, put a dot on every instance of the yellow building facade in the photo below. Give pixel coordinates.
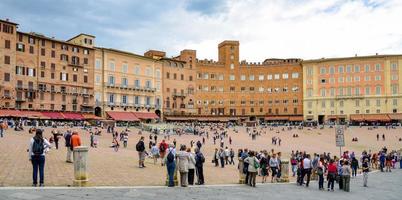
(336, 89)
(125, 81)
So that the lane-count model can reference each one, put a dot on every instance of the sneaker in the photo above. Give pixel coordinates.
(41, 185)
(34, 185)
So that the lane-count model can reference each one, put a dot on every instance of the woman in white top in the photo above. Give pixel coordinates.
(191, 167)
(38, 146)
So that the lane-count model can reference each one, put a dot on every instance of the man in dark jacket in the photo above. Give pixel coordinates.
(199, 162)
(67, 138)
(140, 147)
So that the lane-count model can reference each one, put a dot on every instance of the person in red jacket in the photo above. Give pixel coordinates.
(75, 141)
(331, 174)
(162, 150)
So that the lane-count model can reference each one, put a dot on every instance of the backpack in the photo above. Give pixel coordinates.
(139, 146)
(170, 157)
(162, 148)
(201, 157)
(37, 147)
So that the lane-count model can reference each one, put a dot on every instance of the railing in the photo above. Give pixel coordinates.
(177, 94)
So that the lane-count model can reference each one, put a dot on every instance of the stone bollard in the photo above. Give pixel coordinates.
(242, 176)
(284, 171)
(80, 155)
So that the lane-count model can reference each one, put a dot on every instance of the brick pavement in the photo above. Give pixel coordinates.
(109, 168)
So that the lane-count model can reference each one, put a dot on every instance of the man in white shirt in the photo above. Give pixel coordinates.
(307, 165)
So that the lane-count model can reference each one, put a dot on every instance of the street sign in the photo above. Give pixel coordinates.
(339, 136)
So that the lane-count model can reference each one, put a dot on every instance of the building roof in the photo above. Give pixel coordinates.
(350, 58)
(7, 21)
(80, 35)
(38, 35)
(125, 52)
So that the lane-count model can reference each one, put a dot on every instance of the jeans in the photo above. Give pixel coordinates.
(365, 177)
(400, 164)
(222, 162)
(321, 181)
(38, 163)
(354, 171)
(294, 169)
(1, 132)
(200, 175)
(191, 176)
(331, 181)
(170, 168)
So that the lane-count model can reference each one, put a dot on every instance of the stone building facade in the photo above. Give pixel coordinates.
(271, 90)
(43, 73)
(337, 89)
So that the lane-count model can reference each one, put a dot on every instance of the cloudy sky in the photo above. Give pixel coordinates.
(265, 28)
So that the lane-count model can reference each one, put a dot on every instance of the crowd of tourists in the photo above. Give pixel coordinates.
(188, 160)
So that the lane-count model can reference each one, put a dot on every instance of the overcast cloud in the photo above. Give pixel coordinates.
(271, 28)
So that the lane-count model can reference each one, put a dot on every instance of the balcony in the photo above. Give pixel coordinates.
(25, 87)
(110, 85)
(6, 96)
(355, 96)
(20, 99)
(75, 64)
(177, 94)
(123, 86)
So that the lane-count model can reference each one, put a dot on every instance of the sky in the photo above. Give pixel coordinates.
(306, 29)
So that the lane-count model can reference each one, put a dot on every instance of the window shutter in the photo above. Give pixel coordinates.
(23, 70)
(34, 72)
(66, 77)
(61, 75)
(16, 69)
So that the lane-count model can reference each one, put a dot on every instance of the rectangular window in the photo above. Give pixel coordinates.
(85, 79)
(261, 77)
(295, 75)
(111, 66)
(276, 76)
(232, 77)
(367, 68)
(98, 64)
(42, 52)
(242, 77)
(7, 44)
(357, 68)
(269, 77)
(7, 60)
(285, 76)
(7, 77)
